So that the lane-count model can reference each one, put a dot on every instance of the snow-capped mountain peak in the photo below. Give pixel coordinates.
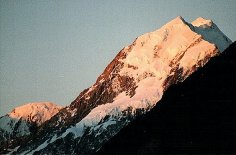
(202, 22)
(130, 86)
(38, 112)
(210, 32)
(21, 119)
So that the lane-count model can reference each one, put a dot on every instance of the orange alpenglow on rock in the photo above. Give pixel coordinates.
(19, 121)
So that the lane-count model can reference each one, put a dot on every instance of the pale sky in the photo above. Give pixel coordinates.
(53, 49)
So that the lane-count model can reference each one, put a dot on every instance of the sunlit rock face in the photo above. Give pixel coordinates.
(131, 85)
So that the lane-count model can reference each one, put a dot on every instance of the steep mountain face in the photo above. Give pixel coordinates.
(130, 86)
(25, 119)
(196, 116)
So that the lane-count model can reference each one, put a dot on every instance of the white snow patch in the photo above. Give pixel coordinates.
(73, 112)
(108, 123)
(42, 146)
(13, 150)
(146, 96)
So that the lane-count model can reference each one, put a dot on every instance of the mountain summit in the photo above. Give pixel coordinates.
(196, 116)
(22, 120)
(211, 33)
(131, 85)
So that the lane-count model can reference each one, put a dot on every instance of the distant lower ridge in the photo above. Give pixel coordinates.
(196, 116)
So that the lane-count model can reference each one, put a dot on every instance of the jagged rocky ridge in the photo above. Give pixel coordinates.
(130, 86)
(194, 117)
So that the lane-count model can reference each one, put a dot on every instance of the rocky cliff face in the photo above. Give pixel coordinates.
(131, 85)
